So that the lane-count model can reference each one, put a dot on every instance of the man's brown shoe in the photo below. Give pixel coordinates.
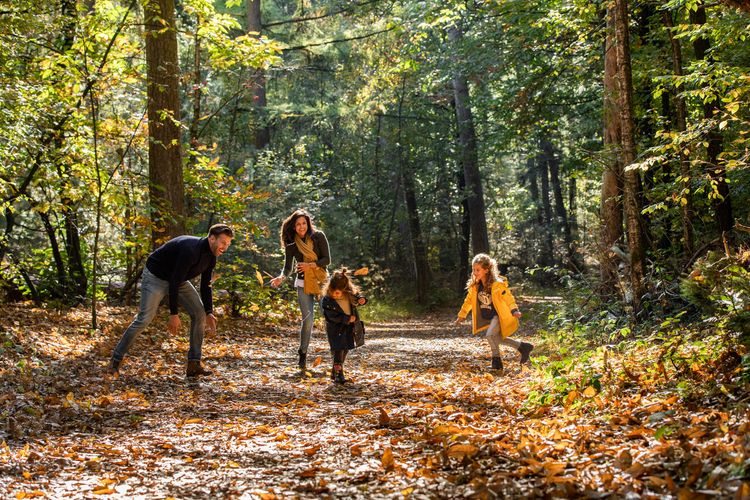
(194, 369)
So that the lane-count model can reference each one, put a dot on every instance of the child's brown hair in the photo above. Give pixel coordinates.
(488, 263)
(340, 281)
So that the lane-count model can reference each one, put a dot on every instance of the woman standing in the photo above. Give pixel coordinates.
(308, 247)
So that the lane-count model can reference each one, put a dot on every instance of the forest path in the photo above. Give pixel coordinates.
(422, 416)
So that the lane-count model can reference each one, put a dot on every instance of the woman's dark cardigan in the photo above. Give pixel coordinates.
(338, 329)
(292, 253)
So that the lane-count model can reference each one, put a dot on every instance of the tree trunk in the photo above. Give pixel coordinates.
(632, 183)
(469, 156)
(611, 197)
(62, 277)
(561, 213)
(262, 131)
(419, 249)
(166, 188)
(463, 242)
(722, 204)
(686, 175)
(542, 168)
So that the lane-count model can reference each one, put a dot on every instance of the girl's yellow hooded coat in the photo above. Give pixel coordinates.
(503, 302)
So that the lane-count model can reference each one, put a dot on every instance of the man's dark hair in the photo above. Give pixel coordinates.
(218, 229)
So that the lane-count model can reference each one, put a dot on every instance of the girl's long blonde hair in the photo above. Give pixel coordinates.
(488, 263)
(340, 281)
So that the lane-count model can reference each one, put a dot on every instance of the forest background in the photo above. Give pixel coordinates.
(599, 150)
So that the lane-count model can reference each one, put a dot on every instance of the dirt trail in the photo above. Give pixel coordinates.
(422, 416)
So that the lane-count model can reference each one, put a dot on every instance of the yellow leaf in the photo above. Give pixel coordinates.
(554, 468)
(387, 459)
(259, 277)
(361, 411)
(407, 491)
(193, 421)
(461, 450)
(103, 490)
(572, 395)
(362, 271)
(589, 392)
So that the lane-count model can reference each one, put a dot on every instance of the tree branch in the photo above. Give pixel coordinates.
(321, 16)
(368, 35)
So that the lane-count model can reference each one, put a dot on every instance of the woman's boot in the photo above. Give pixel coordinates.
(302, 359)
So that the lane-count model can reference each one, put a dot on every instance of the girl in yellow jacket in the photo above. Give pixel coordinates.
(493, 309)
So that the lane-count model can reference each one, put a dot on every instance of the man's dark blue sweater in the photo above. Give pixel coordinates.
(182, 259)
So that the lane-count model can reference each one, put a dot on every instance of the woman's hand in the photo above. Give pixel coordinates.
(276, 281)
(516, 313)
(304, 266)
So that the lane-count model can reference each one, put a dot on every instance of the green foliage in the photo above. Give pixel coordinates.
(720, 286)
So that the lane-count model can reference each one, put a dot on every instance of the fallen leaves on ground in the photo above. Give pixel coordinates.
(421, 416)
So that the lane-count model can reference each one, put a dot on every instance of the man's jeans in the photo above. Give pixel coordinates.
(153, 290)
(306, 303)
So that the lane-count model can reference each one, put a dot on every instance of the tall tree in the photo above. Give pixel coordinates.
(262, 130)
(631, 184)
(611, 194)
(722, 204)
(680, 125)
(467, 138)
(166, 185)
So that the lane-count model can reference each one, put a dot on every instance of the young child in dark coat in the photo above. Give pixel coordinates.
(339, 304)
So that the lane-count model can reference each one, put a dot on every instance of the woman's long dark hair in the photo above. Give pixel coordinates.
(286, 235)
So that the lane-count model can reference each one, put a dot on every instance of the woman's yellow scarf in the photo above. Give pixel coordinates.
(313, 277)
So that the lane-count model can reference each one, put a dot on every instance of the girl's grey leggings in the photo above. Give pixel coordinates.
(495, 338)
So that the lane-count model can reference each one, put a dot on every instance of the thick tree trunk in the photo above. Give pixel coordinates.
(722, 204)
(166, 188)
(611, 197)
(262, 131)
(686, 175)
(469, 155)
(631, 192)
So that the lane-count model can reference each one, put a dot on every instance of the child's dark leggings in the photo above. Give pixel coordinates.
(339, 356)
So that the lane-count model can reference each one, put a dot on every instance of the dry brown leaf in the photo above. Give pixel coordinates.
(317, 361)
(461, 450)
(312, 450)
(383, 418)
(362, 271)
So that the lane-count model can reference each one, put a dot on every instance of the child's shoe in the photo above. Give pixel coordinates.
(525, 350)
(338, 374)
(497, 363)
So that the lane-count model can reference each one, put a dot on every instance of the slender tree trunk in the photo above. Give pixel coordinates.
(686, 175)
(611, 214)
(62, 277)
(419, 249)
(553, 160)
(463, 242)
(262, 130)
(469, 154)
(548, 249)
(166, 188)
(722, 204)
(632, 183)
